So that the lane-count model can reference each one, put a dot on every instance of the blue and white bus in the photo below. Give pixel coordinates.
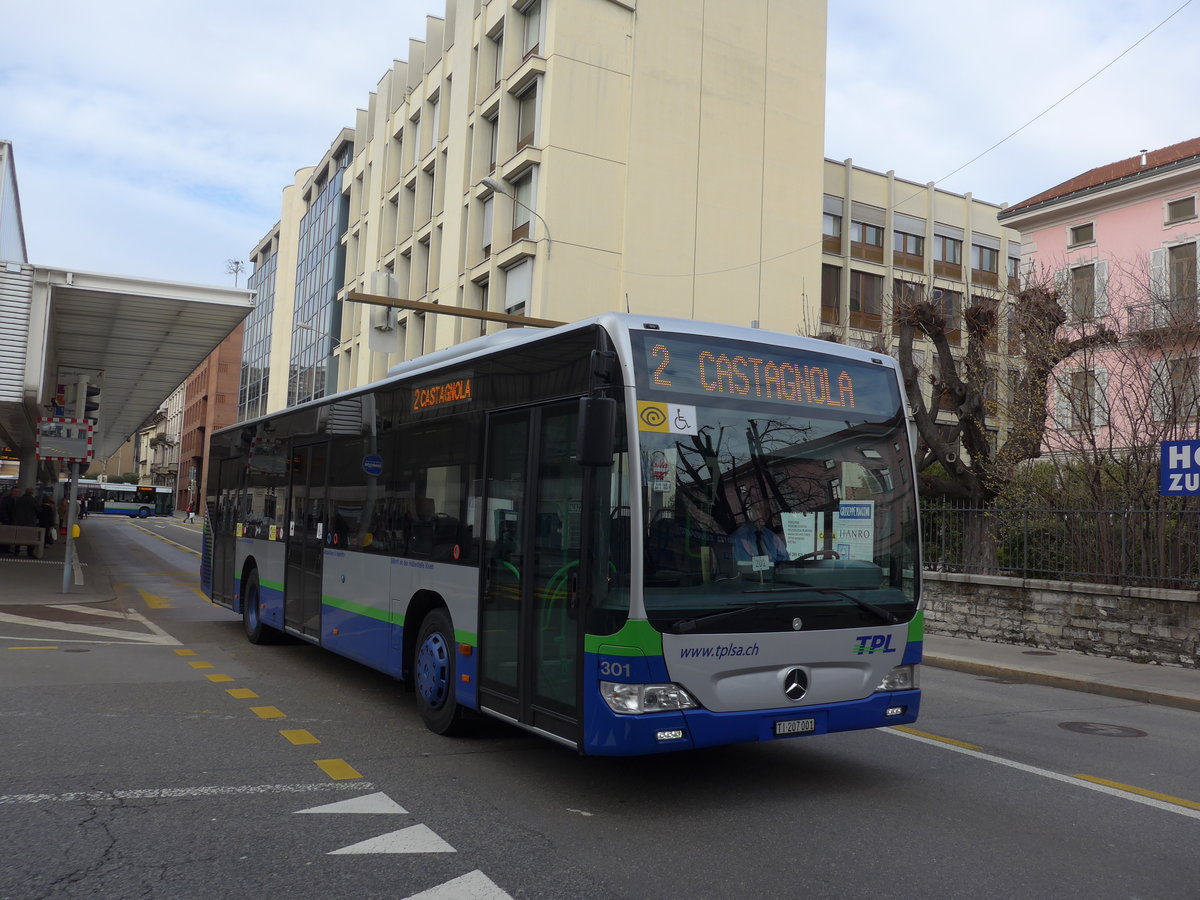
(629, 535)
(138, 501)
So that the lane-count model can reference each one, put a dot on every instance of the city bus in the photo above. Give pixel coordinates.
(628, 535)
(133, 500)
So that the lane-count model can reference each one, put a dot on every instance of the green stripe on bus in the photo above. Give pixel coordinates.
(273, 585)
(637, 637)
(466, 637)
(916, 628)
(357, 608)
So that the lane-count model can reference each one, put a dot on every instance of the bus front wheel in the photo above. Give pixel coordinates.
(257, 632)
(434, 675)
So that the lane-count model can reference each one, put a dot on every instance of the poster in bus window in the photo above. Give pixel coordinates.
(799, 533)
(854, 529)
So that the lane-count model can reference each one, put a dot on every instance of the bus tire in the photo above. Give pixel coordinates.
(434, 674)
(257, 631)
(144, 512)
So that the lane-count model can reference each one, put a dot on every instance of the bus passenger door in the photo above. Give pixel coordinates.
(221, 522)
(529, 635)
(305, 539)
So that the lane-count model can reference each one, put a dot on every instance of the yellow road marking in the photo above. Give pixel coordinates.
(1166, 798)
(33, 648)
(219, 679)
(337, 769)
(154, 601)
(299, 736)
(185, 652)
(241, 693)
(203, 596)
(201, 665)
(267, 712)
(935, 737)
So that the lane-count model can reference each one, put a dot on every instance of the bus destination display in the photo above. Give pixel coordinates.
(676, 364)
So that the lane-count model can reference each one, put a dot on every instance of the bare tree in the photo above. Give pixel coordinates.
(234, 267)
(966, 387)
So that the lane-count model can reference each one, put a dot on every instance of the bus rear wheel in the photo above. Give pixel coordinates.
(257, 631)
(434, 675)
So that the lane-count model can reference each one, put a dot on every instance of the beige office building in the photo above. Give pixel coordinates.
(556, 160)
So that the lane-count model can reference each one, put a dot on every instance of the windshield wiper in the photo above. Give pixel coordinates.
(686, 626)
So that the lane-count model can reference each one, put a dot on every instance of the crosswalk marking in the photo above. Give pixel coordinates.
(114, 635)
(414, 839)
(379, 802)
(472, 886)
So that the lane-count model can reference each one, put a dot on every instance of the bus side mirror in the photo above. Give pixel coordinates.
(597, 431)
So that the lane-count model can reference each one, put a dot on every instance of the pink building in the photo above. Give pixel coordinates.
(1120, 242)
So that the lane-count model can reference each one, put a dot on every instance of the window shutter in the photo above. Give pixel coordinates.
(1062, 400)
(1158, 276)
(1101, 306)
(1159, 381)
(1100, 399)
(1062, 283)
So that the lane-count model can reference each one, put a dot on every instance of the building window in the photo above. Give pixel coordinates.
(486, 210)
(947, 256)
(1175, 389)
(1083, 293)
(1181, 210)
(949, 304)
(866, 300)
(531, 38)
(905, 295)
(985, 264)
(1081, 234)
(831, 295)
(498, 57)
(866, 241)
(831, 230)
(518, 285)
(908, 251)
(416, 139)
(1182, 262)
(493, 127)
(522, 204)
(1084, 404)
(527, 110)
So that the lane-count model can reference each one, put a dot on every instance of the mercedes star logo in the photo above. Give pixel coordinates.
(795, 684)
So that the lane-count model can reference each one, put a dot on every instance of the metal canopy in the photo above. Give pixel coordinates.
(142, 338)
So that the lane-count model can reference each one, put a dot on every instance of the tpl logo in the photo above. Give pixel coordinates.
(874, 643)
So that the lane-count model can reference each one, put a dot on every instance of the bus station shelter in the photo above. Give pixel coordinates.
(134, 339)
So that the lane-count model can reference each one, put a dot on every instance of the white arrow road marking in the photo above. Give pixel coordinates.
(379, 802)
(159, 636)
(415, 839)
(472, 886)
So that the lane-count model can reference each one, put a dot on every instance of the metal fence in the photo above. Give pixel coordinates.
(1135, 547)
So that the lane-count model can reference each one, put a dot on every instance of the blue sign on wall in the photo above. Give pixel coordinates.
(1179, 469)
(373, 464)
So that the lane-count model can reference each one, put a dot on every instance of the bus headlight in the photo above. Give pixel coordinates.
(901, 678)
(645, 698)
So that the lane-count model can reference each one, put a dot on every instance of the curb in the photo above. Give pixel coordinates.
(1070, 683)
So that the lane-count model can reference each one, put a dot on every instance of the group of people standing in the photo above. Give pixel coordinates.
(19, 507)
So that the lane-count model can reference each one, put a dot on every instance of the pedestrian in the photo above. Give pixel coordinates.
(191, 513)
(7, 502)
(25, 512)
(48, 520)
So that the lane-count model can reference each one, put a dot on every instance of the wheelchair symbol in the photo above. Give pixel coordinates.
(681, 423)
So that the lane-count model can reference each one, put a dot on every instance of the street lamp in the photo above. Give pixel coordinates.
(499, 187)
(304, 326)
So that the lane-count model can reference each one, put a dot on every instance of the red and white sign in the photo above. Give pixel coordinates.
(69, 440)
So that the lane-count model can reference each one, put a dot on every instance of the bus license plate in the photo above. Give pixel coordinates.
(795, 726)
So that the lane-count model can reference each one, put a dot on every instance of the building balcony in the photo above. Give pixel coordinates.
(1179, 314)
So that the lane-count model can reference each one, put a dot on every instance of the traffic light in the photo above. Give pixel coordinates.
(91, 401)
(80, 399)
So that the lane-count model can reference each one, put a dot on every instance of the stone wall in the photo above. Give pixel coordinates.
(1140, 624)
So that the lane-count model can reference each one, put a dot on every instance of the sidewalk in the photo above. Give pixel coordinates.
(1161, 685)
(25, 581)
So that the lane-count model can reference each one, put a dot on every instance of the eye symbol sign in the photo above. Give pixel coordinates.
(652, 416)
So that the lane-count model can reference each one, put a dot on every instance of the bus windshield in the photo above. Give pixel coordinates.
(766, 510)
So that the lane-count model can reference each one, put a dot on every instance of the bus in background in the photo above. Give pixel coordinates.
(135, 500)
(628, 535)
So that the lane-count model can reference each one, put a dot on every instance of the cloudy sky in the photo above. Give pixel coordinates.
(153, 139)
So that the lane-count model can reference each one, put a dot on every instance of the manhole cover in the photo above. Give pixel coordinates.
(1039, 653)
(1100, 729)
